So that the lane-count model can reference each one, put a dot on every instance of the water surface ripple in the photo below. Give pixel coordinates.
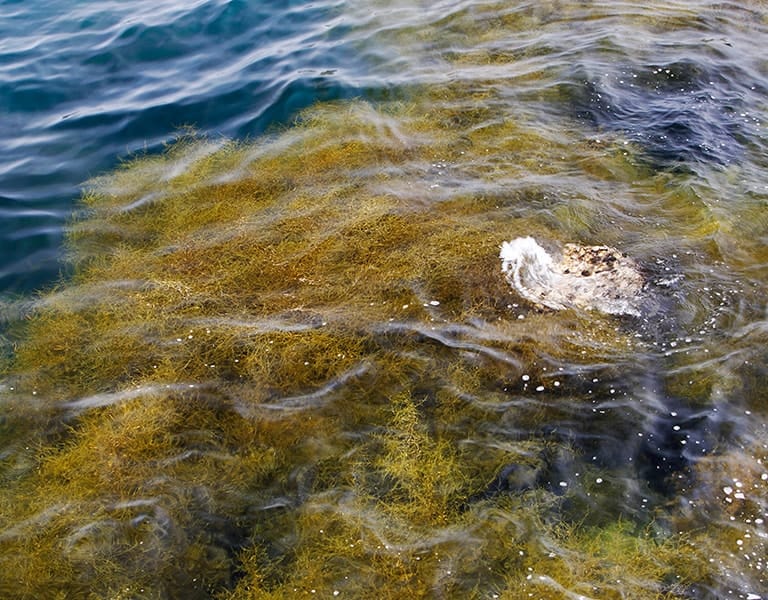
(84, 84)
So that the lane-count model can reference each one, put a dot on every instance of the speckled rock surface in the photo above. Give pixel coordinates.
(582, 277)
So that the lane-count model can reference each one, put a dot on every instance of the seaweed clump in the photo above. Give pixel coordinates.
(264, 364)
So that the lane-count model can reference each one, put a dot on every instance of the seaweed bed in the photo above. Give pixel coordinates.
(292, 366)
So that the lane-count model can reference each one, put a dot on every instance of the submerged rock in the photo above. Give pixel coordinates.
(586, 277)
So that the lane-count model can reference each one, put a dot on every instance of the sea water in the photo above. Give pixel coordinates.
(83, 85)
(283, 359)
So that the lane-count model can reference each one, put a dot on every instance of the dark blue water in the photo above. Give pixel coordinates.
(85, 84)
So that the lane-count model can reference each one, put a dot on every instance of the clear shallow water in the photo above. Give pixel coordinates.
(296, 365)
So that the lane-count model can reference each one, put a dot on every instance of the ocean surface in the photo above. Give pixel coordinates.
(83, 85)
(278, 355)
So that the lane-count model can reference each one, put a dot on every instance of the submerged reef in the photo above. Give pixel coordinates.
(260, 374)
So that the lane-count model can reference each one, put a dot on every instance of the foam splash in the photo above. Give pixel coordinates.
(581, 277)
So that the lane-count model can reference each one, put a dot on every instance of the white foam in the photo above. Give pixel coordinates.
(528, 267)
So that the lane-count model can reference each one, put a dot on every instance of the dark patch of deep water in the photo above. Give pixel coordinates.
(633, 430)
(680, 113)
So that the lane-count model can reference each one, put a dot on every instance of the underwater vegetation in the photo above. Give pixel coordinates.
(292, 366)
